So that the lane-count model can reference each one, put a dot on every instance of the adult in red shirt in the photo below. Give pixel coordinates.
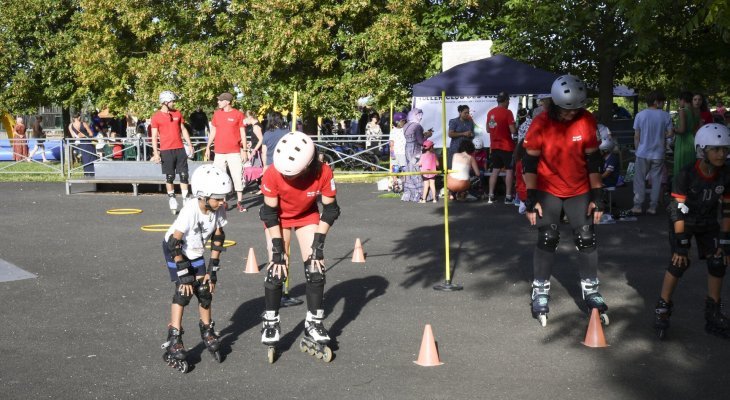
(501, 127)
(228, 136)
(561, 172)
(168, 125)
(291, 190)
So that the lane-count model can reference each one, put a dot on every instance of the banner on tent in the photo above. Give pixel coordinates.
(478, 105)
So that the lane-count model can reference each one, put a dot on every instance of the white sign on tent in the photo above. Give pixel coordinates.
(479, 106)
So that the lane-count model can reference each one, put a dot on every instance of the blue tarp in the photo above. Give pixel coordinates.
(487, 77)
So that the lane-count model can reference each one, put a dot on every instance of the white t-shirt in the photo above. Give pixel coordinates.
(196, 227)
(399, 140)
(653, 125)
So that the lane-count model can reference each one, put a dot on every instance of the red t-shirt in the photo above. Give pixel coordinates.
(480, 156)
(498, 121)
(168, 126)
(562, 168)
(298, 197)
(227, 130)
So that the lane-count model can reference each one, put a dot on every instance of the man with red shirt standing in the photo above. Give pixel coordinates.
(168, 125)
(228, 136)
(501, 127)
(562, 172)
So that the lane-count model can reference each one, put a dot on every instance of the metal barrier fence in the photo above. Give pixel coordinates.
(14, 162)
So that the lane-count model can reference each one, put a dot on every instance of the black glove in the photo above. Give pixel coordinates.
(682, 244)
(597, 199)
(277, 251)
(184, 272)
(531, 200)
(318, 247)
(213, 267)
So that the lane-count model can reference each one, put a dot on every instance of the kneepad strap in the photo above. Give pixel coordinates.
(311, 276)
(272, 281)
(548, 238)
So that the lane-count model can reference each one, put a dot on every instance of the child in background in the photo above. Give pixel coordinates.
(482, 158)
(609, 172)
(428, 162)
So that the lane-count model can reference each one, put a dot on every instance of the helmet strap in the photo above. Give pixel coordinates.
(207, 205)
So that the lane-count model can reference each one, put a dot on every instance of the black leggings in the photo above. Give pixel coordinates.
(575, 209)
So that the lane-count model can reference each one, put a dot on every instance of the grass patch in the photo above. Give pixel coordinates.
(389, 196)
(31, 172)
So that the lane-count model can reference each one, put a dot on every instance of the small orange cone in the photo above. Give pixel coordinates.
(428, 356)
(252, 267)
(357, 255)
(594, 335)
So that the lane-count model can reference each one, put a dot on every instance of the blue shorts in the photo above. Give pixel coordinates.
(198, 264)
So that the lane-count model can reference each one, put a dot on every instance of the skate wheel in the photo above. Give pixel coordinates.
(217, 356)
(327, 355)
(166, 359)
(604, 319)
(311, 351)
(303, 347)
(272, 355)
(183, 367)
(318, 355)
(542, 319)
(174, 212)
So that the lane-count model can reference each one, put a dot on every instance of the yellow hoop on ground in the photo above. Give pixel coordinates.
(155, 228)
(226, 243)
(124, 211)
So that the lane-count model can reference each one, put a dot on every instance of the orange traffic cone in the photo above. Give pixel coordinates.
(252, 267)
(594, 335)
(428, 356)
(357, 255)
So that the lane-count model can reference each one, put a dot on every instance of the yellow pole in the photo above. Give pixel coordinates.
(444, 157)
(319, 128)
(294, 113)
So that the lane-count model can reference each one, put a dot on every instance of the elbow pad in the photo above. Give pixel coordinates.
(217, 242)
(269, 215)
(529, 164)
(330, 213)
(677, 211)
(593, 162)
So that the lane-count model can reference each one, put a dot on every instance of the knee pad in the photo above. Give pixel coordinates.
(184, 177)
(179, 299)
(271, 281)
(677, 272)
(716, 266)
(313, 277)
(548, 238)
(205, 297)
(169, 178)
(585, 238)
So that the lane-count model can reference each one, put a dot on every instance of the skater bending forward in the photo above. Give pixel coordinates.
(290, 191)
(184, 246)
(561, 172)
(702, 188)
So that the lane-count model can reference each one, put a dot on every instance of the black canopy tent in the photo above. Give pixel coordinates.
(487, 77)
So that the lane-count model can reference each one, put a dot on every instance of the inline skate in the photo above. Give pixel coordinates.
(593, 299)
(175, 352)
(539, 300)
(716, 322)
(270, 332)
(663, 312)
(316, 338)
(211, 339)
(172, 202)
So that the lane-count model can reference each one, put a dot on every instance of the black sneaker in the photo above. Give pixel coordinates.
(508, 200)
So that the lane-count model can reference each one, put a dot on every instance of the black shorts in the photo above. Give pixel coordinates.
(501, 159)
(705, 237)
(174, 161)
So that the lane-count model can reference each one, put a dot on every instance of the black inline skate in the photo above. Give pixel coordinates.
(539, 300)
(593, 299)
(175, 353)
(661, 322)
(316, 338)
(211, 339)
(716, 322)
(270, 332)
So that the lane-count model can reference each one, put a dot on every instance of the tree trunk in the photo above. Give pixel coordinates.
(606, 71)
(66, 120)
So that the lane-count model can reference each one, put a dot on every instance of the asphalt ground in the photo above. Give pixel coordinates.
(91, 324)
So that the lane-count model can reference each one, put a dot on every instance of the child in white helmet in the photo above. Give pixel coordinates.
(183, 248)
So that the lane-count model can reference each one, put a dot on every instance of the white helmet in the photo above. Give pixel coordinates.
(607, 145)
(167, 96)
(209, 181)
(716, 135)
(293, 153)
(478, 143)
(569, 92)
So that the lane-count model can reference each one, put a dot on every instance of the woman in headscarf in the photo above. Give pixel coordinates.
(413, 132)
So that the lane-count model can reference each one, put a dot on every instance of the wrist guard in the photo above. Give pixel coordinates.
(213, 267)
(277, 250)
(531, 200)
(184, 272)
(597, 199)
(682, 244)
(318, 246)
(724, 241)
